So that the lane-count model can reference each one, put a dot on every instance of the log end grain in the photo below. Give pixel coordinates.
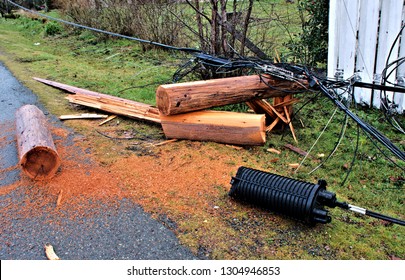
(40, 163)
(162, 100)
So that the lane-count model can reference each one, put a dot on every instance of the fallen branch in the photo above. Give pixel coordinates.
(115, 138)
(295, 149)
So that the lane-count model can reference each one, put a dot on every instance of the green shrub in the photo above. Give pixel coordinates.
(52, 28)
(311, 45)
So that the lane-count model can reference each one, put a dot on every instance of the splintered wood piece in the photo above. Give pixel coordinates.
(58, 201)
(296, 149)
(286, 103)
(217, 126)
(82, 116)
(37, 153)
(50, 253)
(290, 123)
(272, 125)
(165, 142)
(180, 98)
(107, 103)
(107, 120)
(275, 151)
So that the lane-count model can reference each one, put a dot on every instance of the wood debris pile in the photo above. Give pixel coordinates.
(182, 108)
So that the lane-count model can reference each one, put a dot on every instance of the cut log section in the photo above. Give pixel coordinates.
(37, 153)
(217, 126)
(194, 96)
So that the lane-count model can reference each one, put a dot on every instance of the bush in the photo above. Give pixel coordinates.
(151, 20)
(311, 46)
(52, 28)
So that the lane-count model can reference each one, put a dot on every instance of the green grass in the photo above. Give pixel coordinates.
(238, 231)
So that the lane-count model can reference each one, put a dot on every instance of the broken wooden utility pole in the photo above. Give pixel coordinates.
(107, 103)
(186, 97)
(37, 153)
(217, 126)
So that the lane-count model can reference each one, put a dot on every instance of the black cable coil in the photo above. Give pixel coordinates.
(293, 198)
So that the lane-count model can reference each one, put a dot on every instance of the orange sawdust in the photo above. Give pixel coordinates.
(183, 178)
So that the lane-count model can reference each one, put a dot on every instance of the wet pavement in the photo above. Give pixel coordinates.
(123, 232)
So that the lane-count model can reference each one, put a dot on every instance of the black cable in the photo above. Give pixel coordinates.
(385, 218)
(141, 86)
(363, 125)
(341, 135)
(354, 157)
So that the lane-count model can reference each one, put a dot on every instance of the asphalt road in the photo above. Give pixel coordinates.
(123, 232)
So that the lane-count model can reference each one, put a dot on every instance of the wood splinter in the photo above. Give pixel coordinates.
(50, 253)
(58, 201)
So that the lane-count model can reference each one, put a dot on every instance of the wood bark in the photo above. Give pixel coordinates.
(216, 126)
(194, 96)
(37, 153)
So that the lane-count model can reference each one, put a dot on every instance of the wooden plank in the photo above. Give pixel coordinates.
(390, 24)
(367, 45)
(82, 116)
(399, 98)
(348, 18)
(333, 36)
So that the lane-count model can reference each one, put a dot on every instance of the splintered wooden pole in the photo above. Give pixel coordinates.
(216, 126)
(107, 103)
(37, 153)
(194, 96)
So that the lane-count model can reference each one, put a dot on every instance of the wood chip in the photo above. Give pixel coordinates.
(294, 165)
(50, 253)
(274, 151)
(58, 201)
(235, 147)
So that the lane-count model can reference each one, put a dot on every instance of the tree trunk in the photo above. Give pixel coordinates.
(37, 153)
(245, 28)
(222, 127)
(194, 96)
